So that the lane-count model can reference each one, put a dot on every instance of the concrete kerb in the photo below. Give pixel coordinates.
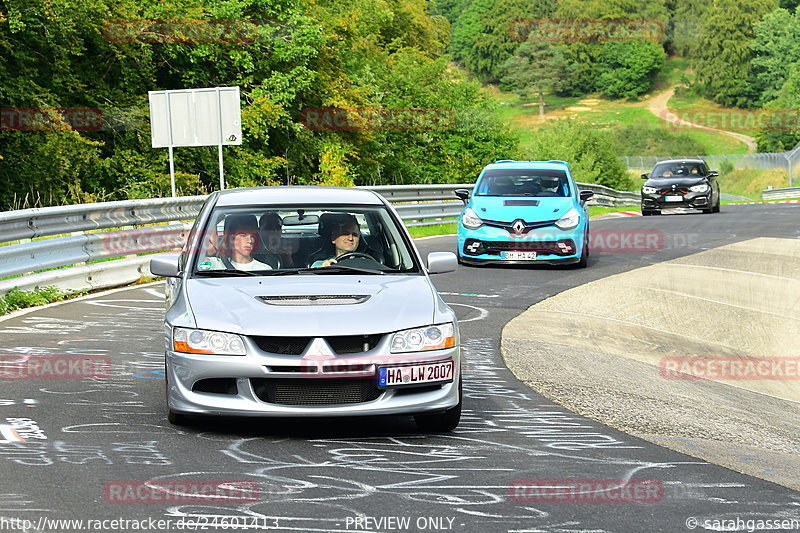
(601, 358)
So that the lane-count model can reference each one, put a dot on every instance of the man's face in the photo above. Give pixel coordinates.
(348, 239)
(244, 241)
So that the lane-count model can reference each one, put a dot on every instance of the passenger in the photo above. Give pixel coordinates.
(240, 240)
(345, 238)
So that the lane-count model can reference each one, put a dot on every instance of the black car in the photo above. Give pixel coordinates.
(680, 183)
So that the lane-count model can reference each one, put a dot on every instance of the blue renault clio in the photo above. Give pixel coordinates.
(523, 212)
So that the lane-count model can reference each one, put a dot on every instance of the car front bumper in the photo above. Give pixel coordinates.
(691, 200)
(282, 386)
(552, 245)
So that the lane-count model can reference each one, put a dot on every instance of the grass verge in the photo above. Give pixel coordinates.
(18, 299)
(433, 229)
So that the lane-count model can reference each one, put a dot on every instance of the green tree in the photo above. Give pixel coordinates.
(686, 25)
(484, 36)
(628, 69)
(589, 152)
(777, 53)
(722, 65)
(534, 67)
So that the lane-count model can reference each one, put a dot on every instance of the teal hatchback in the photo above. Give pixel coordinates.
(523, 212)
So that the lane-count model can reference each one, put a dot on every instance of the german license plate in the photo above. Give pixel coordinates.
(394, 376)
(674, 198)
(518, 256)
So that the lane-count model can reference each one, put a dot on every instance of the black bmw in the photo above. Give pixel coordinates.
(680, 183)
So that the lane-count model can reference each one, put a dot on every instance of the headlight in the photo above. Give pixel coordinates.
(570, 220)
(470, 220)
(211, 342)
(421, 339)
(649, 190)
(703, 187)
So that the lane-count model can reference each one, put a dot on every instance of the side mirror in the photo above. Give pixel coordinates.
(713, 174)
(463, 195)
(645, 176)
(585, 195)
(442, 262)
(165, 266)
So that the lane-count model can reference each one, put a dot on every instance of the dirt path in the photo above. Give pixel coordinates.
(658, 106)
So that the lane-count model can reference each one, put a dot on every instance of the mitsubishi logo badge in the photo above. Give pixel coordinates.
(518, 226)
(319, 350)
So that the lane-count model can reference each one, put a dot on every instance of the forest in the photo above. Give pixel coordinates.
(74, 78)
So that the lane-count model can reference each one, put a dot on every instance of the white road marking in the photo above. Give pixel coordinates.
(730, 270)
(483, 313)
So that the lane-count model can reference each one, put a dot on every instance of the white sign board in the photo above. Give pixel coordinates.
(195, 117)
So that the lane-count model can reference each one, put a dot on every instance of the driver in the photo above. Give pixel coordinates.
(345, 239)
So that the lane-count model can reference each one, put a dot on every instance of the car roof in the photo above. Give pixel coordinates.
(298, 194)
(507, 163)
(680, 161)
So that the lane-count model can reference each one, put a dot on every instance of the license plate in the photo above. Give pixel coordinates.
(394, 376)
(517, 256)
(674, 198)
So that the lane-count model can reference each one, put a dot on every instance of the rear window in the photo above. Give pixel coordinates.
(524, 182)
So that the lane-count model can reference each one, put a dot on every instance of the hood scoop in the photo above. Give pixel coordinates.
(517, 203)
(322, 299)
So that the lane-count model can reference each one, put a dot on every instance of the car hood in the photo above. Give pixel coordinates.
(233, 304)
(678, 182)
(498, 208)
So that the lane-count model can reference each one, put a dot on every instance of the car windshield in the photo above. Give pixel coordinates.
(523, 182)
(681, 169)
(281, 240)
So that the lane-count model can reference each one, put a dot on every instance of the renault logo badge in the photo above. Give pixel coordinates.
(518, 226)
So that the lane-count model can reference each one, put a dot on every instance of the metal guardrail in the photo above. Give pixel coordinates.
(781, 194)
(416, 205)
(762, 160)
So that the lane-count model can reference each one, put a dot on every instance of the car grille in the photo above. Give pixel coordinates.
(341, 345)
(524, 228)
(353, 343)
(495, 247)
(315, 391)
(669, 190)
(283, 345)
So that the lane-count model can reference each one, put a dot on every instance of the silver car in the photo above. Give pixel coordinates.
(307, 301)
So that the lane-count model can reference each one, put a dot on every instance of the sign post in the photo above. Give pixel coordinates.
(196, 117)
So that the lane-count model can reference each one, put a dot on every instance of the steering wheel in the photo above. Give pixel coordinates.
(350, 255)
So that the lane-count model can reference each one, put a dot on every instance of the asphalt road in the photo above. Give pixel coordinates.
(83, 438)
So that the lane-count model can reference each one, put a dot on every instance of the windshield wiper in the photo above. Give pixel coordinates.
(229, 272)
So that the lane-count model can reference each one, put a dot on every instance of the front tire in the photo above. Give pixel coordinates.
(177, 419)
(584, 260)
(649, 212)
(442, 422)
